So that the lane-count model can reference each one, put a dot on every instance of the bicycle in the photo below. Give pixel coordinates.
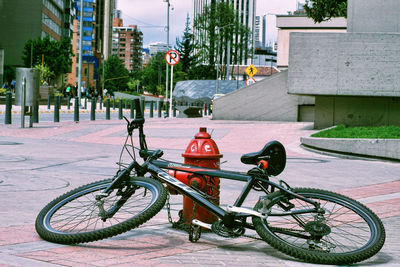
(313, 225)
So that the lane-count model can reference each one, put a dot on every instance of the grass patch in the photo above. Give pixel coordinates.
(341, 131)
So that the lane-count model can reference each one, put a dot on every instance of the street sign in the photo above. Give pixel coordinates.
(251, 70)
(172, 57)
(250, 81)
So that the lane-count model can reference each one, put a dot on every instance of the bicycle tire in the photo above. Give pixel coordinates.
(74, 216)
(345, 220)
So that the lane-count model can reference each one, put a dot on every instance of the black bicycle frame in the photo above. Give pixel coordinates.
(156, 168)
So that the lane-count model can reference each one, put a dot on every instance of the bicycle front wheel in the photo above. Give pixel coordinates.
(75, 217)
(346, 233)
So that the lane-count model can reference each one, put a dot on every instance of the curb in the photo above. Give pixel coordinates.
(378, 148)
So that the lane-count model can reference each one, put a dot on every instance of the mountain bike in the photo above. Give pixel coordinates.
(313, 225)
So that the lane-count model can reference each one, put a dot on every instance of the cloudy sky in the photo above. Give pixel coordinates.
(151, 16)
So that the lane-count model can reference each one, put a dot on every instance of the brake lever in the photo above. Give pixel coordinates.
(130, 126)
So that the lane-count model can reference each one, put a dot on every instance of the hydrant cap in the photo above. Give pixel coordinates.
(202, 134)
(202, 146)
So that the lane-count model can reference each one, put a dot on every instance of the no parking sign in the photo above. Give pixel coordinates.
(172, 57)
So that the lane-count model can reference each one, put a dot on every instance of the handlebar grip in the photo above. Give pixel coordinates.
(138, 109)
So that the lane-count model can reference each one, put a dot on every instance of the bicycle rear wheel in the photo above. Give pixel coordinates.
(348, 232)
(75, 216)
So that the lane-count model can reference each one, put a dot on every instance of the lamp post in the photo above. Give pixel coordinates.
(80, 53)
(166, 71)
(218, 43)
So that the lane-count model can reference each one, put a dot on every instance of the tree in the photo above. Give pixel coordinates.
(153, 75)
(57, 56)
(323, 10)
(220, 25)
(116, 75)
(186, 48)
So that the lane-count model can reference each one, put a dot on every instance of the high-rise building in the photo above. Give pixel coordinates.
(95, 41)
(21, 20)
(127, 43)
(245, 11)
(257, 32)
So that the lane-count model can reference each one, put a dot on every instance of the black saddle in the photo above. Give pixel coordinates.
(273, 152)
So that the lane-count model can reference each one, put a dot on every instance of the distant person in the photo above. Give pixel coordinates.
(5, 85)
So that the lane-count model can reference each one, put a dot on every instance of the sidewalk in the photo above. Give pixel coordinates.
(38, 164)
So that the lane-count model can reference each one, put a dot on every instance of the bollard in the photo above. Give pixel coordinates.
(167, 109)
(59, 102)
(174, 110)
(36, 112)
(101, 103)
(159, 109)
(143, 106)
(132, 109)
(85, 107)
(151, 109)
(56, 109)
(68, 102)
(120, 115)
(8, 108)
(76, 109)
(93, 109)
(113, 103)
(107, 109)
(48, 102)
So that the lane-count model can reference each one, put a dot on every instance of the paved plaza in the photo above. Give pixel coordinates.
(40, 163)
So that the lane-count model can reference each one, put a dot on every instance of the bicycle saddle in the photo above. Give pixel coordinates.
(273, 152)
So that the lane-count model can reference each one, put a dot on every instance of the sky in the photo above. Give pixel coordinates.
(151, 17)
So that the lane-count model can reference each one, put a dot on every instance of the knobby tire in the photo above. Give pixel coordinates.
(353, 232)
(74, 216)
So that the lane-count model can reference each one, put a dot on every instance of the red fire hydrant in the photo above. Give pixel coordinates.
(201, 151)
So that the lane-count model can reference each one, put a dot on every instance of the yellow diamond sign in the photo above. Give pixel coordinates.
(251, 70)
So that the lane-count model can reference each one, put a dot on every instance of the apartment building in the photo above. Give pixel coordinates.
(127, 43)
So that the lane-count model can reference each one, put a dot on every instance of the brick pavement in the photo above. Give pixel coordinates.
(64, 155)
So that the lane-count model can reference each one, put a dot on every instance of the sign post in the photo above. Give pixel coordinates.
(172, 58)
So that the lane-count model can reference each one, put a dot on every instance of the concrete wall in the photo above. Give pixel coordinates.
(356, 111)
(282, 59)
(287, 24)
(266, 100)
(373, 16)
(353, 64)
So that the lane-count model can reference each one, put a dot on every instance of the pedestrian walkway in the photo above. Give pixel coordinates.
(38, 164)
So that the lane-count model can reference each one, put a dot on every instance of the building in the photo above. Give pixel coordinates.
(353, 75)
(246, 16)
(127, 43)
(21, 20)
(156, 47)
(288, 24)
(95, 41)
